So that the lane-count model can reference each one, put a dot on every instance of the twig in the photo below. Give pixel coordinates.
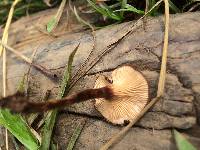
(26, 59)
(40, 68)
(161, 84)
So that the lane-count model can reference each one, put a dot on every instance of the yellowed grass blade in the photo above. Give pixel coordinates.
(4, 73)
(161, 83)
(2, 49)
(8, 22)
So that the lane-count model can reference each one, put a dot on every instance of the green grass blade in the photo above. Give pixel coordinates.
(47, 130)
(173, 7)
(97, 8)
(21, 86)
(151, 4)
(82, 20)
(19, 128)
(51, 24)
(67, 74)
(51, 117)
(75, 135)
(182, 143)
(105, 10)
(123, 5)
(132, 9)
(110, 13)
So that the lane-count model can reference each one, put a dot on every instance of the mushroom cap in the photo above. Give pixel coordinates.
(130, 91)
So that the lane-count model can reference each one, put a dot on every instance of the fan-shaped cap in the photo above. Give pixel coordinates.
(130, 91)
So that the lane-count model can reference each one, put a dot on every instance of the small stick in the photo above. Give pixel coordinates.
(29, 61)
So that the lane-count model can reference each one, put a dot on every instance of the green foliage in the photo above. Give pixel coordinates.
(130, 8)
(51, 24)
(48, 129)
(19, 128)
(51, 117)
(182, 143)
(105, 10)
(119, 10)
(67, 74)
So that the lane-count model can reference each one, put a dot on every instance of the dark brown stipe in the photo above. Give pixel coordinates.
(19, 103)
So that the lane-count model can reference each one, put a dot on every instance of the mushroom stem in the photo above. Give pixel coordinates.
(19, 103)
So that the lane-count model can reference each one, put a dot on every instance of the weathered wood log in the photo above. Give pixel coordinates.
(180, 106)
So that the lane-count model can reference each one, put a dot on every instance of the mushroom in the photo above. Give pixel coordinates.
(130, 90)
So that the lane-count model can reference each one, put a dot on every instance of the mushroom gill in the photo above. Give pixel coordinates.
(130, 91)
